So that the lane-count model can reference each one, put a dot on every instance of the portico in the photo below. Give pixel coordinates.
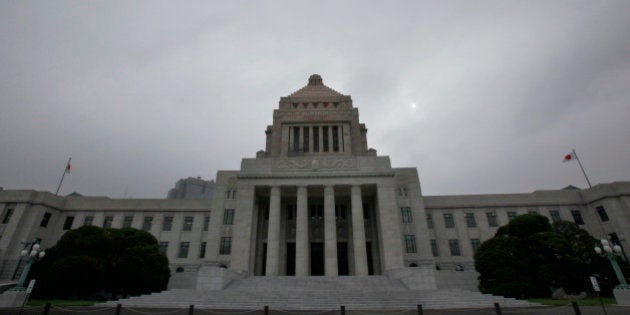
(306, 230)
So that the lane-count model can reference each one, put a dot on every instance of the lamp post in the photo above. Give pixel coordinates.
(622, 290)
(35, 254)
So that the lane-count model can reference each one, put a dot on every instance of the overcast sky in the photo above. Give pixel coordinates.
(480, 96)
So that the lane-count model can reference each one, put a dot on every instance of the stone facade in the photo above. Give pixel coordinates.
(316, 201)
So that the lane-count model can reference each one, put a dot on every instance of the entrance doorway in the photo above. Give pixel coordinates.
(342, 259)
(290, 259)
(317, 259)
(370, 262)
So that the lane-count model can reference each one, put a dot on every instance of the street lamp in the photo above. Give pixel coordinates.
(610, 253)
(35, 254)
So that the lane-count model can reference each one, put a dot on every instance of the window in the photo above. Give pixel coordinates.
(448, 220)
(402, 191)
(88, 220)
(291, 212)
(317, 211)
(45, 219)
(492, 219)
(7, 216)
(296, 139)
(602, 213)
(474, 244)
(188, 224)
(410, 243)
(147, 223)
(555, 215)
(577, 217)
(470, 220)
(183, 250)
(163, 247)
(230, 194)
(167, 224)
(68, 223)
(206, 223)
(325, 137)
(202, 250)
(127, 221)
(434, 248)
(335, 134)
(406, 214)
(226, 246)
(315, 139)
(454, 247)
(511, 215)
(340, 212)
(429, 221)
(228, 217)
(532, 212)
(306, 144)
(107, 222)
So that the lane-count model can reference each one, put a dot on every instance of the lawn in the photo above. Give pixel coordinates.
(36, 302)
(592, 301)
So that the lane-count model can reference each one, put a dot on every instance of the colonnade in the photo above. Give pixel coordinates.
(302, 246)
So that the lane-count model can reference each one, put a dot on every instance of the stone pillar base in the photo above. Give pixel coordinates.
(415, 278)
(622, 295)
(12, 298)
(212, 277)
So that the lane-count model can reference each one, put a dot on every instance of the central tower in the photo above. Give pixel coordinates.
(316, 120)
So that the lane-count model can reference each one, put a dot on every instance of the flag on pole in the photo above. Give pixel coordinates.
(569, 157)
(68, 168)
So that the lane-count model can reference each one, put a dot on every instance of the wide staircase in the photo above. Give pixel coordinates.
(319, 293)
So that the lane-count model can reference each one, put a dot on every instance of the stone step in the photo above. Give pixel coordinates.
(319, 293)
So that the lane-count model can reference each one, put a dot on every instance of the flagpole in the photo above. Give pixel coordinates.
(582, 168)
(65, 170)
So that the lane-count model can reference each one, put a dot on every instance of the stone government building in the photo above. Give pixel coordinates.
(316, 202)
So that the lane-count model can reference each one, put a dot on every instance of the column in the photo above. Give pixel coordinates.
(358, 232)
(301, 141)
(302, 248)
(330, 233)
(273, 233)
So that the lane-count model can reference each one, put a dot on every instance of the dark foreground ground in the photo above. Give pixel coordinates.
(547, 310)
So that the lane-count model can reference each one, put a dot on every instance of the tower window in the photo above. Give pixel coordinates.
(306, 138)
(296, 139)
(325, 135)
(335, 134)
(315, 139)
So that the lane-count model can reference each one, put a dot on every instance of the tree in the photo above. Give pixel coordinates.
(529, 257)
(90, 260)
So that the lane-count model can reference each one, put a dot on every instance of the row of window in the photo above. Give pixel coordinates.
(183, 249)
(304, 134)
(225, 248)
(491, 217)
(147, 222)
(453, 244)
(316, 212)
